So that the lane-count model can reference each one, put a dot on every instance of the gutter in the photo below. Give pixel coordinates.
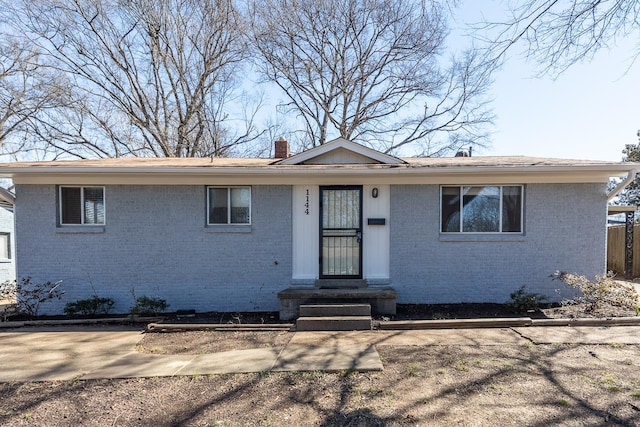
(9, 172)
(631, 175)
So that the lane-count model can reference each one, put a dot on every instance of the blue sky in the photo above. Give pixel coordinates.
(589, 112)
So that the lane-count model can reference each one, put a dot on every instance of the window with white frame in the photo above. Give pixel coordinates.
(5, 246)
(82, 205)
(481, 209)
(229, 205)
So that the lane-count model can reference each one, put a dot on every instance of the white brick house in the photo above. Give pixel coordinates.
(230, 234)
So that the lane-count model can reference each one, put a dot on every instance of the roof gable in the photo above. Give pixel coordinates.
(7, 198)
(340, 151)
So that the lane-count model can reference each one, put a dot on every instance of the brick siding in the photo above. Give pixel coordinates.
(155, 243)
(565, 229)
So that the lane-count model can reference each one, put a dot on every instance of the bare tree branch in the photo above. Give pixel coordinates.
(372, 71)
(148, 77)
(24, 91)
(560, 33)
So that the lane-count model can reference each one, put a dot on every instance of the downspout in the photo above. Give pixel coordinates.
(631, 175)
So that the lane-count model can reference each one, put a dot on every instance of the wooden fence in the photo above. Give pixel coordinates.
(615, 249)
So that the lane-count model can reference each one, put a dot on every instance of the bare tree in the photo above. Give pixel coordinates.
(144, 77)
(372, 71)
(560, 33)
(24, 91)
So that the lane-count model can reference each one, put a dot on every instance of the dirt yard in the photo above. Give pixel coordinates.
(520, 385)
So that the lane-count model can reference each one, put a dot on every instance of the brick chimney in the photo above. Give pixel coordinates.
(281, 149)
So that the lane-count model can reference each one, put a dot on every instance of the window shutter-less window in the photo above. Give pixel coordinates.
(481, 209)
(93, 205)
(218, 203)
(229, 205)
(71, 205)
(5, 252)
(450, 209)
(512, 209)
(240, 203)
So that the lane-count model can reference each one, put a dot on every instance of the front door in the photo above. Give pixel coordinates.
(341, 232)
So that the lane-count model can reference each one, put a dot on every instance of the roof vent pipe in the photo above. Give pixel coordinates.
(464, 153)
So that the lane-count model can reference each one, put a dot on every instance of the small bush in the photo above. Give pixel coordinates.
(522, 301)
(602, 291)
(89, 306)
(145, 306)
(30, 295)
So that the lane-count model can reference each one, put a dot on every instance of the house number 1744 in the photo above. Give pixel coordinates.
(306, 202)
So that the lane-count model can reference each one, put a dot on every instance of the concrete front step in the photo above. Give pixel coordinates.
(341, 283)
(320, 310)
(334, 323)
(382, 299)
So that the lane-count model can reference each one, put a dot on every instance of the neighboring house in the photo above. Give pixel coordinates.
(7, 237)
(230, 234)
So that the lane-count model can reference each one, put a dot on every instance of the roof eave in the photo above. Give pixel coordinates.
(613, 170)
(290, 175)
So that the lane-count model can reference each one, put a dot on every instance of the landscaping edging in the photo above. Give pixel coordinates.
(609, 321)
(454, 323)
(504, 323)
(182, 327)
(509, 322)
(63, 322)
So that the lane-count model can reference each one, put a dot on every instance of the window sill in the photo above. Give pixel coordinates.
(227, 229)
(482, 238)
(80, 229)
(5, 260)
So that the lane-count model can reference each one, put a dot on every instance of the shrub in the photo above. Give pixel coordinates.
(94, 305)
(603, 290)
(522, 301)
(149, 306)
(29, 295)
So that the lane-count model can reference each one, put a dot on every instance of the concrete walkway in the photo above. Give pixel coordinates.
(44, 354)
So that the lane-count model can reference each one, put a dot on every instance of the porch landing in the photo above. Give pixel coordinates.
(381, 299)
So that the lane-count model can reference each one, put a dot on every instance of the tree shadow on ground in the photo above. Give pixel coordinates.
(527, 384)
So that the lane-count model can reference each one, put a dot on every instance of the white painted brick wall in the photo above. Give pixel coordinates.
(155, 242)
(565, 229)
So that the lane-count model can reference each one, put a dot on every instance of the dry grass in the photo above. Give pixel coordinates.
(536, 385)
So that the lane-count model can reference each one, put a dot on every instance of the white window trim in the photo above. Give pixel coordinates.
(9, 254)
(485, 233)
(82, 223)
(228, 223)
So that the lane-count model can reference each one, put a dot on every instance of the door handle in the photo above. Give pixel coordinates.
(359, 236)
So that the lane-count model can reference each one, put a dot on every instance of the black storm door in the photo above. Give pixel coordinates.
(341, 232)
